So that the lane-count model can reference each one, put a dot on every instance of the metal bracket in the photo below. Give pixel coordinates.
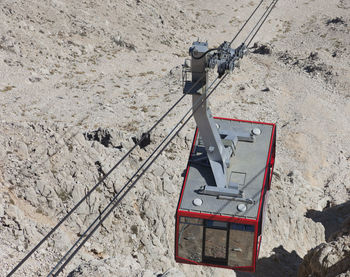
(220, 144)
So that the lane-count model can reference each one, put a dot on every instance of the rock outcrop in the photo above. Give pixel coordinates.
(333, 257)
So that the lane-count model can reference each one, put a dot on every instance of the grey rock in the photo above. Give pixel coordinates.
(30, 232)
(22, 150)
(158, 171)
(31, 196)
(327, 259)
(34, 79)
(2, 210)
(61, 241)
(15, 213)
(111, 267)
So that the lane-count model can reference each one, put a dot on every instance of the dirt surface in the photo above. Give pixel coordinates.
(80, 79)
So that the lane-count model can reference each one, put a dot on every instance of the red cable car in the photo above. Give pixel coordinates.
(219, 218)
(219, 230)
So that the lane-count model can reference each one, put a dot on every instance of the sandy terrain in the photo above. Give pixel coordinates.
(70, 68)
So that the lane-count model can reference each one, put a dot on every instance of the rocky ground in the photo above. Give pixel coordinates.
(80, 79)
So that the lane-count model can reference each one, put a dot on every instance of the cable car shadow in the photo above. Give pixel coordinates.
(281, 263)
(332, 218)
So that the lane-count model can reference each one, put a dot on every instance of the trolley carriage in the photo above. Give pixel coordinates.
(220, 213)
(219, 230)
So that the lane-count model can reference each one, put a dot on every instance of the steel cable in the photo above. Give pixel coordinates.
(95, 187)
(264, 16)
(197, 103)
(118, 200)
(274, 4)
(240, 30)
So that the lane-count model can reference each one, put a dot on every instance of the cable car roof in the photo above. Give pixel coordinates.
(249, 173)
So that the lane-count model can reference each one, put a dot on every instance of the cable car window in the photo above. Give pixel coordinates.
(216, 224)
(241, 245)
(242, 227)
(215, 244)
(190, 238)
(191, 220)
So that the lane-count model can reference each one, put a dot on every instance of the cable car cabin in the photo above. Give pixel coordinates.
(215, 227)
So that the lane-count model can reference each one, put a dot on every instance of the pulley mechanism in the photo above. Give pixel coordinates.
(226, 58)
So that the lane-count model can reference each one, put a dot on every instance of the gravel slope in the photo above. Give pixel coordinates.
(73, 69)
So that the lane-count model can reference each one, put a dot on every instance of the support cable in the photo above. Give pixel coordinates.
(197, 103)
(239, 31)
(245, 23)
(95, 187)
(274, 4)
(118, 200)
(259, 23)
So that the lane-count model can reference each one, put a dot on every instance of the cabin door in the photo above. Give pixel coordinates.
(241, 245)
(215, 242)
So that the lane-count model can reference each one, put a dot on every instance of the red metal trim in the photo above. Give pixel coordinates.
(262, 190)
(182, 191)
(188, 168)
(176, 235)
(255, 242)
(260, 237)
(266, 169)
(187, 261)
(247, 121)
(226, 218)
(217, 217)
(178, 211)
(273, 155)
(242, 268)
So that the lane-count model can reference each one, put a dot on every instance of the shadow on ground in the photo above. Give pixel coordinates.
(282, 263)
(332, 218)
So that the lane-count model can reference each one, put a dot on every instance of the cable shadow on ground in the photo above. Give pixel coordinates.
(332, 218)
(281, 263)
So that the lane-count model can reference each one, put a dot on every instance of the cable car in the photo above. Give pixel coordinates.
(220, 213)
